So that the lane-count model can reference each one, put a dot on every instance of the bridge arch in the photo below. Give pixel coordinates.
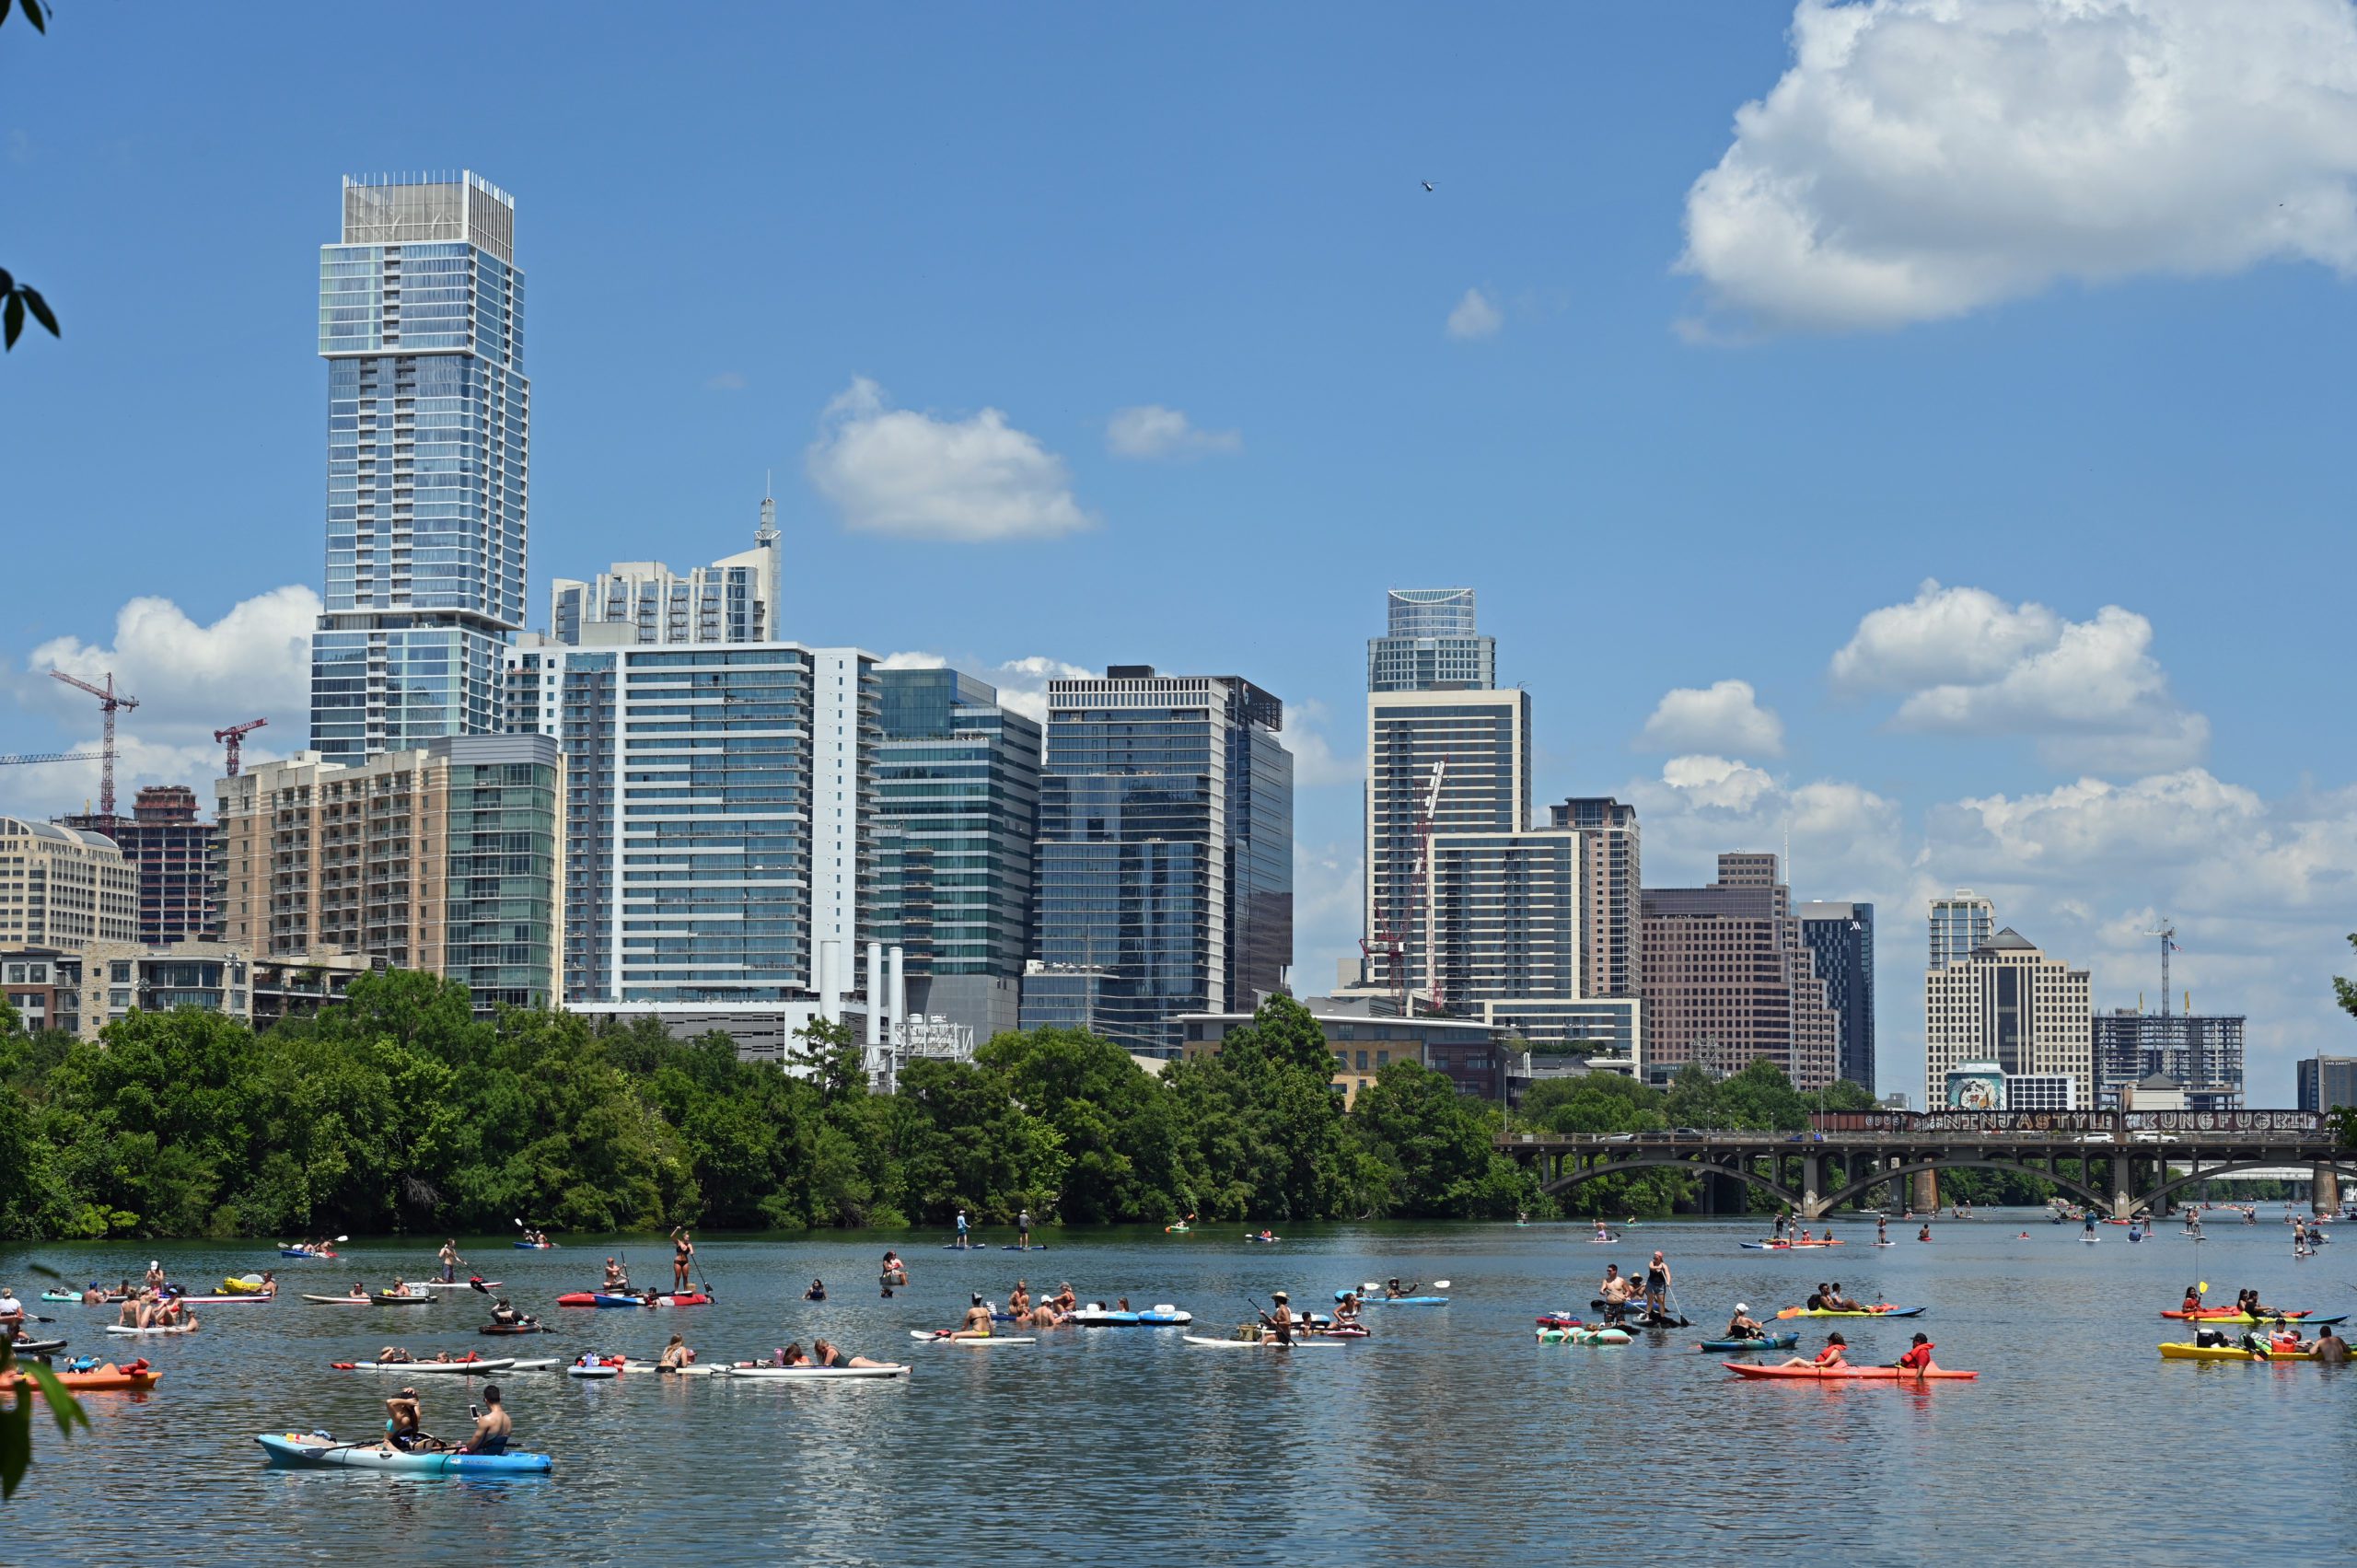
(2161, 1193)
(1572, 1179)
(2071, 1185)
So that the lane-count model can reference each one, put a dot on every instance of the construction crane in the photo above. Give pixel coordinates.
(2167, 933)
(1387, 937)
(233, 736)
(1423, 880)
(49, 756)
(109, 701)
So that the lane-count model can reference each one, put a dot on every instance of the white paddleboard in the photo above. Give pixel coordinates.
(812, 1374)
(970, 1339)
(460, 1368)
(1261, 1344)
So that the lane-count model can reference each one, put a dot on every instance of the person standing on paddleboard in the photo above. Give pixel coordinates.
(450, 1260)
(1657, 1287)
(683, 1254)
(1022, 1228)
(962, 1241)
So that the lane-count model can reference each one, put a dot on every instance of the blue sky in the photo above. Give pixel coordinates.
(2082, 366)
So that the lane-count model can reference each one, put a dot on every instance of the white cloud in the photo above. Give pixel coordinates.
(1847, 842)
(254, 662)
(1316, 762)
(1150, 430)
(912, 661)
(1922, 158)
(1476, 316)
(2089, 691)
(1326, 913)
(1023, 682)
(915, 476)
(1726, 715)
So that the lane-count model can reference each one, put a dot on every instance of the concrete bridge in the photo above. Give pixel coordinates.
(2138, 1160)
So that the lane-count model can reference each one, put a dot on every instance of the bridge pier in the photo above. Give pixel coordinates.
(1812, 1184)
(1927, 1191)
(2325, 1194)
(2124, 1201)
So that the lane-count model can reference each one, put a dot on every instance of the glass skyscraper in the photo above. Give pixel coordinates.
(1431, 645)
(1842, 935)
(1164, 854)
(958, 801)
(429, 418)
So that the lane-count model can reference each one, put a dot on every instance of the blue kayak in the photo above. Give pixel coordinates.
(1773, 1341)
(1396, 1300)
(532, 1246)
(313, 1450)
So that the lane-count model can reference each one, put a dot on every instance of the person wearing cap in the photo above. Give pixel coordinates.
(962, 1239)
(978, 1318)
(1742, 1326)
(403, 1420)
(1918, 1357)
(155, 1275)
(1280, 1318)
(10, 1307)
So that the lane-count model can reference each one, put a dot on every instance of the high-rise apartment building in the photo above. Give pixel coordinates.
(170, 851)
(1431, 645)
(1165, 866)
(720, 818)
(2008, 1004)
(733, 600)
(1961, 923)
(1611, 899)
(958, 792)
(441, 857)
(429, 421)
(63, 886)
(1841, 936)
(1727, 979)
(1464, 754)
(2201, 1053)
(2327, 1083)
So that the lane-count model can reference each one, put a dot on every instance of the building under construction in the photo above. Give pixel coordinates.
(170, 849)
(2200, 1052)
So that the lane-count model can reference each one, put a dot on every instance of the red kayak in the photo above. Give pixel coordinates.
(137, 1377)
(1853, 1374)
(2209, 1312)
(617, 1298)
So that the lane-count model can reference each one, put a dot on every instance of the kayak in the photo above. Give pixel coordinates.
(340, 1300)
(1849, 1373)
(2236, 1315)
(1261, 1344)
(970, 1338)
(514, 1329)
(245, 1286)
(2228, 1352)
(97, 1380)
(2244, 1320)
(1790, 1246)
(314, 1450)
(1583, 1336)
(248, 1300)
(1396, 1300)
(302, 1252)
(813, 1373)
(1736, 1347)
(1271, 1240)
(600, 1298)
(532, 1246)
(1821, 1312)
(1339, 1330)
(596, 1369)
(456, 1368)
(120, 1329)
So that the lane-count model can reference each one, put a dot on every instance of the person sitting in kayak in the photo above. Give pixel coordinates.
(617, 1277)
(977, 1319)
(2192, 1300)
(1918, 1357)
(1924, 1234)
(1743, 1326)
(675, 1354)
(1615, 1293)
(504, 1314)
(1279, 1318)
(492, 1425)
(1832, 1355)
(818, 1291)
(400, 1287)
(828, 1356)
(403, 1419)
(1835, 1301)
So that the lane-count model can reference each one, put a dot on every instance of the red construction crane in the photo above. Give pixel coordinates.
(109, 699)
(1423, 881)
(233, 736)
(1387, 937)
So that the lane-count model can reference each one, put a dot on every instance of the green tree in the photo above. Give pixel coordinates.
(1439, 1148)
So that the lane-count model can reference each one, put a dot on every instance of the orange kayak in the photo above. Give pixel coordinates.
(95, 1381)
(1853, 1374)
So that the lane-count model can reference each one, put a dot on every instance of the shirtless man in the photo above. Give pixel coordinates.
(617, 1277)
(1019, 1303)
(1615, 1293)
(450, 1261)
(403, 1419)
(502, 1313)
(492, 1425)
(1280, 1318)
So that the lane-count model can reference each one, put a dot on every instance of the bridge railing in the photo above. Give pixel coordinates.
(2120, 1124)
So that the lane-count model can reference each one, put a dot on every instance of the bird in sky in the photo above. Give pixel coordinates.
(1428, 184)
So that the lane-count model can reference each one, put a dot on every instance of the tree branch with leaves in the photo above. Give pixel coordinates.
(18, 300)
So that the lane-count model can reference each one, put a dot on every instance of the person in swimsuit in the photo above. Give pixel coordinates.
(1832, 1355)
(1346, 1311)
(1836, 1301)
(1064, 1302)
(617, 1277)
(827, 1356)
(675, 1354)
(403, 1427)
(1657, 1287)
(683, 1252)
(893, 1272)
(1280, 1318)
(492, 1425)
(1743, 1326)
(1615, 1293)
(1022, 1228)
(1019, 1303)
(450, 1261)
(818, 1291)
(1924, 1234)
(977, 1320)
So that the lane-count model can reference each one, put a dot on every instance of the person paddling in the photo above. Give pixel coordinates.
(492, 1425)
(450, 1261)
(683, 1254)
(1280, 1318)
(963, 1241)
(617, 1277)
(1743, 1326)
(1918, 1357)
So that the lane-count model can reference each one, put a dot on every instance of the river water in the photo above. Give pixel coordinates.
(1451, 1436)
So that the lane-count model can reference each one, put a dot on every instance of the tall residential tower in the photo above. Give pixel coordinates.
(429, 419)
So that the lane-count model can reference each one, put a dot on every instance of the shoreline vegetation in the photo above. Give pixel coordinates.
(398, 1112)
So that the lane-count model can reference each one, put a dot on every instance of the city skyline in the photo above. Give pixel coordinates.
(1777, 505)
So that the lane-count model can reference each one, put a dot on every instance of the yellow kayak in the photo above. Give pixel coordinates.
(246, 1286)
(2229, 1352)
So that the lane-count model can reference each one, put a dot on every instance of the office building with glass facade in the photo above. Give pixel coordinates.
(1431, 645)
(2009, 1004)
(2327, 1083)
(429, 420)
(732, 600)
(1165, 861)
(957, 804)
(1842, 935)
(1961, 923)
(720, 821)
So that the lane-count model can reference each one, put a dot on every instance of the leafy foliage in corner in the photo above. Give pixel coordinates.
(16, 1417)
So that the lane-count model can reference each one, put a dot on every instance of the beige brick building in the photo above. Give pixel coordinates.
(1727, 979)
(2009, 1004)
(63, 886)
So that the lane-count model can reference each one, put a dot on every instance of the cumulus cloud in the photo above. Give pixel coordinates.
(1476, 316)
(1923, 158)
(918, 476)
(1316, 762)
(1726, 716)
(2089, 691)
(190, 679)
(1149, 430)
(728, 381)
(1022, 683)
(1328, 910)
